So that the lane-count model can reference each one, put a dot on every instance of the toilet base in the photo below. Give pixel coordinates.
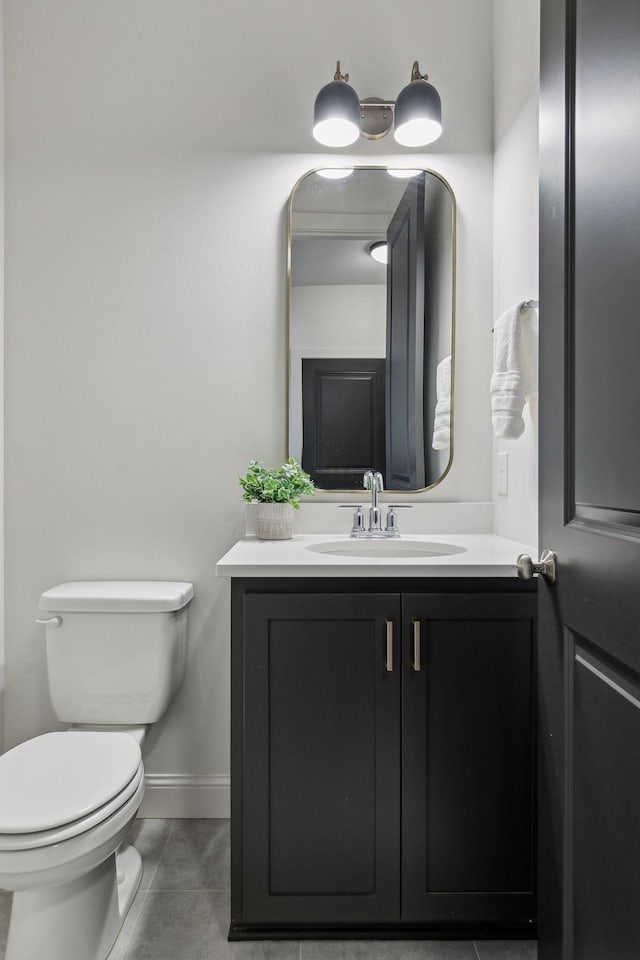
(77, 920)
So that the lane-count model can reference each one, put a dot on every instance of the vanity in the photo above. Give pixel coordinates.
(383, 718)
(383, 708)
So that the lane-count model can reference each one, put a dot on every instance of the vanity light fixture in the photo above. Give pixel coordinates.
(340, 117)
(379, 251)
(335, 173)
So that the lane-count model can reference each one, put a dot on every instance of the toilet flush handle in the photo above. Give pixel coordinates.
(54, 622)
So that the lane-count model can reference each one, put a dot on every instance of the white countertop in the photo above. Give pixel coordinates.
(482, 555)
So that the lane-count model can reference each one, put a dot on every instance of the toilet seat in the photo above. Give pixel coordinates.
(45, 838)
(59, 785)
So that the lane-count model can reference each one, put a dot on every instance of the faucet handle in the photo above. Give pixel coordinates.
(358, 517)
(392, 521)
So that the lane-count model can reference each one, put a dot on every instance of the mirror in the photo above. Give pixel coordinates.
(371, 343)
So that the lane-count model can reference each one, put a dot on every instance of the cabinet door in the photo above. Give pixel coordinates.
(468, 759)
(321, 760)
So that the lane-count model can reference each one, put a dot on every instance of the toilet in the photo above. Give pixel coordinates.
(115, 657)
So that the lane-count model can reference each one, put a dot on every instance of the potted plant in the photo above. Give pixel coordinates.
(277, 493)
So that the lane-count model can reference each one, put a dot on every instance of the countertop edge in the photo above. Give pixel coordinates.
(487, 556)
(378, 573)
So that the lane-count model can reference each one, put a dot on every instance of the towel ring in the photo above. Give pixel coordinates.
(525, 305)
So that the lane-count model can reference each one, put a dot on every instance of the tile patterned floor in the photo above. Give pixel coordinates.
(181, 911)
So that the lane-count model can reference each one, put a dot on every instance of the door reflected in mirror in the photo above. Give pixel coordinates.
(371, 327)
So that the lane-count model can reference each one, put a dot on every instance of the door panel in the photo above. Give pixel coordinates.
(606, 241)
(343, 420)
(321, 772)
(604, 759)
(310, 781)
(589, 476)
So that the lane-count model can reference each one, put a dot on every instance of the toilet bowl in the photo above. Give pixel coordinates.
(67, 801)
(115, 654)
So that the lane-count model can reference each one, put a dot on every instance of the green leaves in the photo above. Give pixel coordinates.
(286, 484)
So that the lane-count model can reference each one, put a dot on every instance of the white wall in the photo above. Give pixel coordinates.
(2, 638)
(334, 320)
(515, 253)
(352, 316)
(151, 147)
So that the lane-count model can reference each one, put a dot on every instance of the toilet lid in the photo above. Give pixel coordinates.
(131, 794)
(56, 778)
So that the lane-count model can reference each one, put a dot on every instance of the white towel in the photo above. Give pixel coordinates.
(508, 382)
(442, 415)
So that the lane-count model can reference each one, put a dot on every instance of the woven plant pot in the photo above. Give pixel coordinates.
(275, 521)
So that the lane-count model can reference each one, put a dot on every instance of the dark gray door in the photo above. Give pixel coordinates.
(405, 343)
(342, 420)
(589, 789)
(320, 829)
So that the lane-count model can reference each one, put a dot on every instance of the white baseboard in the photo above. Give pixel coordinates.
(186, 795)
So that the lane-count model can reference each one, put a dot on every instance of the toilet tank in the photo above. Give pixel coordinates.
(116, 649)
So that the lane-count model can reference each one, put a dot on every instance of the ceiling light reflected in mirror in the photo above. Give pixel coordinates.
(379, 251)
(335, 173)
(402, 173)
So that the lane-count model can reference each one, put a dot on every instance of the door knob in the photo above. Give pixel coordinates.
(546, 566)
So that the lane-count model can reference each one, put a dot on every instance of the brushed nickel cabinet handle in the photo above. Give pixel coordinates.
(416, 646)
(389, 660)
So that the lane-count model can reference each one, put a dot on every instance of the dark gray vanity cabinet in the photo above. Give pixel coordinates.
(382, 758)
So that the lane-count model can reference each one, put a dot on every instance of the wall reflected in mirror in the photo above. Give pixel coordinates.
(371, 327)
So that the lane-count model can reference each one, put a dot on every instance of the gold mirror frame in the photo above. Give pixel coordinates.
(355, 167)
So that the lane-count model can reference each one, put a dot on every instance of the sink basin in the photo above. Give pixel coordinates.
(388, 549)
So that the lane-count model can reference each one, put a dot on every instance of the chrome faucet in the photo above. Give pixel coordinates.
(372, 481)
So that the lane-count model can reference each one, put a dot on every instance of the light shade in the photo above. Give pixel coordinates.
(336, 115)
(418, 114)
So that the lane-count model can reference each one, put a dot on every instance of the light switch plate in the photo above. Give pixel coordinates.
(502, 474)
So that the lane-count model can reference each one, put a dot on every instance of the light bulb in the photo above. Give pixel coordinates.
(418, 132)
(336, 132)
